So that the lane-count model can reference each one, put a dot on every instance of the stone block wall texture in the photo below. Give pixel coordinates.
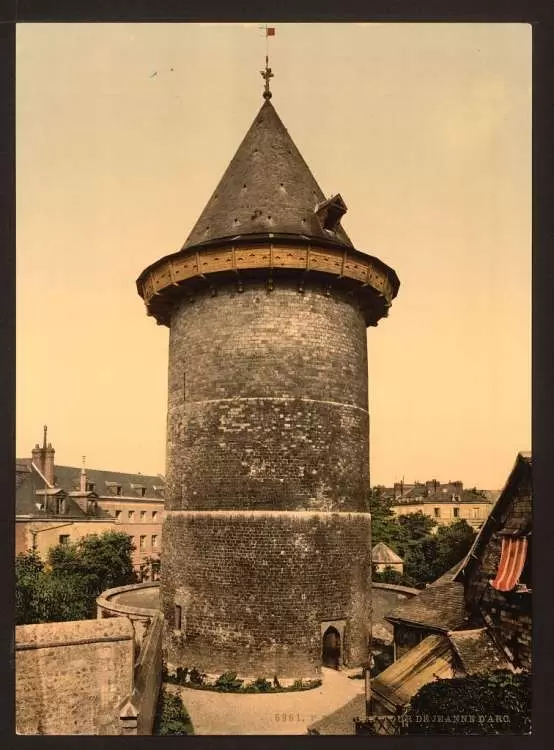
(71, 677)
(509, 612)
(254, 587)
(267, 421)
(148, 676)
(268, 402)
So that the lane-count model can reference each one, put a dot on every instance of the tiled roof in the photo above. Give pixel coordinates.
(449, 575)
(105, 482)
(266, 189)
(383, 554)
(438, 607)
(429, 660)
(477, 651)
(67, 478)
(28, 502)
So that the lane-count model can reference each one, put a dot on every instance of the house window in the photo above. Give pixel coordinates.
(118, 489)
(64, 539)
(118, 515)
(142, 542)
(178, 617)
(476, 513)
(91, 486)
(437, 512)
(143, 491)
(142, 515)
(456, 512)
(60, 505)
(131, 515)
(154, 515)
(154, 541)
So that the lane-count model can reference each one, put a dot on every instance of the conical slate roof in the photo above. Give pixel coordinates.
(267, 189)
(381, 553)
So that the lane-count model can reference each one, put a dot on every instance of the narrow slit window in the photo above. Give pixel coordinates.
(184, 386)
(177, 617)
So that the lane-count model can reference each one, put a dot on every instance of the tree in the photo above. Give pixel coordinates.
(493, 703)
(419, 562)
(384, 524)
(28, 568)
(453, 543)
(66, 587)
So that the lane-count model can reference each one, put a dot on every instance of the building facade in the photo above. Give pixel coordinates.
(267, 557)
(60, 504)
(445, 503)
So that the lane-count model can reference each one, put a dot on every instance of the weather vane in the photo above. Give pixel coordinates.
(267, 73)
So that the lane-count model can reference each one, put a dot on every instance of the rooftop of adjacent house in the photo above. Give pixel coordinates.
(31, 484)
(106, 482)
(438, 607)
(437, 657)
(383, 554)
(520, 474)
(477, 651)
(429, 660)
(267, 189)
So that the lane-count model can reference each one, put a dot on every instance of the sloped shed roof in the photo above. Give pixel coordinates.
(438, 607)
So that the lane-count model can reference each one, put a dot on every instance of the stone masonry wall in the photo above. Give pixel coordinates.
(72, 676)
(509, 613)
(254, 588)
(267, 402)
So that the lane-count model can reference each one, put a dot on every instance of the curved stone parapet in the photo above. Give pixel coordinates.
(373, 281)
(138, 601)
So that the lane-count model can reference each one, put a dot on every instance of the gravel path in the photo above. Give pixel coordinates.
(271, 713)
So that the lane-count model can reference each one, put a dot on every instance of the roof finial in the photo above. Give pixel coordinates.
(44, 440)
(83, 470)
(267, 73)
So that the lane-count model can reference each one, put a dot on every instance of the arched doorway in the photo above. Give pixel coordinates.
(331, 656)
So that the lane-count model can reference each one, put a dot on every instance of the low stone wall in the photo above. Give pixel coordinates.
(138, 712)
(71, 677)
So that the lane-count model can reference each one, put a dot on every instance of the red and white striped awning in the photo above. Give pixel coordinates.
(512, 560)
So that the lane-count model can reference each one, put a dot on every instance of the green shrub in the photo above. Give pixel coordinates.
(493, 703)
(227, 682)
(260, 685)
(171, 716)
(196, 677)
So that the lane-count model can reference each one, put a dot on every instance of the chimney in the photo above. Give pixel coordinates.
(83, 479)
(43, 458)
(48, 459)
(37, 458)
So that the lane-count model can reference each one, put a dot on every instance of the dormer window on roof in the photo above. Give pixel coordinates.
(114, 488)
(330, 212)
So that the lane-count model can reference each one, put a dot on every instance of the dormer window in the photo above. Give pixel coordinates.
(91, 486)
(330, 212)
(114, 488)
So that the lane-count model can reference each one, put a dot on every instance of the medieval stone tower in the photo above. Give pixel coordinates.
(266, 542)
